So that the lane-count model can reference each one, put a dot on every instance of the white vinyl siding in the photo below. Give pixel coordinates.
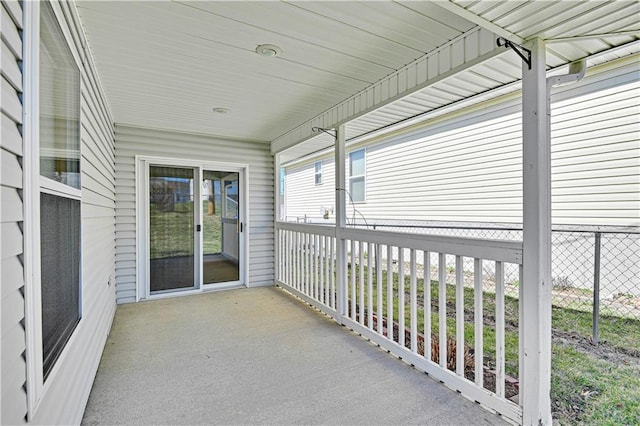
(469, 168)
(12, 308)
(70, 382)
(303, 198)
(132, 141)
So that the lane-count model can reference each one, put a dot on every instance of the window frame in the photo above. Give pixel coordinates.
(362, 176)
(34, 184)
(317, 173)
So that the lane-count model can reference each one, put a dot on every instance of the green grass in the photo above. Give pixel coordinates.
(592, 391)
(171, 232)
(587, 386)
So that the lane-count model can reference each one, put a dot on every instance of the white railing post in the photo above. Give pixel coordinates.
(277, 255)
(535, 349)
(341, 214)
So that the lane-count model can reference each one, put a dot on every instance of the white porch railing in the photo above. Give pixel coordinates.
(412, 295)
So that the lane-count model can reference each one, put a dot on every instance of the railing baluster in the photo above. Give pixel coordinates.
(390, 292)
(320, 268)
(379, 313)
(316, 267)
(312, 272)
(478, 319)
(459, 318)
(353, 280)
(427, 303)
(414, 301)
(325, 282)
(332, 260)
(520, 329)
(370, 256)
(500, 361)
(307, 265)
(401, 303)
(293, 269)
(361, 281)
(442, 309)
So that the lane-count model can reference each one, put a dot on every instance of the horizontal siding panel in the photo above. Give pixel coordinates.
(10, 69)
(11, 208)
(12, 356)
(12, 276)
(11, 105)
(14, 9)
(10, 33)
(14, 405)
(11, 239)
(11, 137)
(12, 312)
(11, 170)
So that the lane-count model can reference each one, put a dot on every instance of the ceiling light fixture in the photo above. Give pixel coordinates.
(269, 50)
(220, 110)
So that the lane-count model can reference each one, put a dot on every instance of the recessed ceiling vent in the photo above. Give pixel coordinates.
(270, 50)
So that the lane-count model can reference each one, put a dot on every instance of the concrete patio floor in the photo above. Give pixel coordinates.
(258, 356)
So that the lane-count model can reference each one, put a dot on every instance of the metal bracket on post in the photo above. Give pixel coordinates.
(523, 52)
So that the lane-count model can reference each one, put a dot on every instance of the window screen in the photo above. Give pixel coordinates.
(60, 272)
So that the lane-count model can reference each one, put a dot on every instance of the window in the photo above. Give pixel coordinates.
(318, 174)
(59, 189)
(282, 173)
(357, 176)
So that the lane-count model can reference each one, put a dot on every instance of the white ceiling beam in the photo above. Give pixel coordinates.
(633, 33)
(480, 21)
(469, 49)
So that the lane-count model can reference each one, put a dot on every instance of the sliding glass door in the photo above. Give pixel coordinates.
(221, 227)
(172, 226)
(194, 227)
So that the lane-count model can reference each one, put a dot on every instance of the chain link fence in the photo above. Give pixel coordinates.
(594, 269)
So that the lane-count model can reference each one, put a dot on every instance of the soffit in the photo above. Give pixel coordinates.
(570, 28)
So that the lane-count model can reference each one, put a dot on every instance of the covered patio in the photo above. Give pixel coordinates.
(258, 356)
(243, 88)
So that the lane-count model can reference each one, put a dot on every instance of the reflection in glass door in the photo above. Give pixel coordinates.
(221, 227)
(171, 228)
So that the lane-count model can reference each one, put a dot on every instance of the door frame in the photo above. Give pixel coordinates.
(142, 163)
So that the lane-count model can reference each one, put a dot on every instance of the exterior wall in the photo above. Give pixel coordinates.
(469, 168)
(304, 197)
(65, 400)
(68, 387)
(13, 405)
(132, 141)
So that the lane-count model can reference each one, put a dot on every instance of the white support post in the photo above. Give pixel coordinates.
(341, 221)
(535, 349)
(277, 217)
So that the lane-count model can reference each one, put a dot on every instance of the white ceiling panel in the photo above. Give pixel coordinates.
(167, 64)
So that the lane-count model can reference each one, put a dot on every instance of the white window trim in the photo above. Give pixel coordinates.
(142, 164)
(363, 175)
(34, 185)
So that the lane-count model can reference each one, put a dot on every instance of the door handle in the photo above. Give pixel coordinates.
(241, 226)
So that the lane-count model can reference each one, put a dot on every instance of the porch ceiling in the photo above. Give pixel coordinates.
(168, 64)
